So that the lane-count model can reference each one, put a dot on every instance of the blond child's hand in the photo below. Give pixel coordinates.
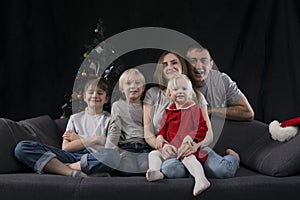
(122, 153)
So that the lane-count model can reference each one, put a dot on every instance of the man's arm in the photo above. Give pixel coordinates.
(240, 110)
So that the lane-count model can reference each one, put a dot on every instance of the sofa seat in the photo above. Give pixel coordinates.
(246, 185)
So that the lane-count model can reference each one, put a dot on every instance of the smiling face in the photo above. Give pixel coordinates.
(132, 89)
(201, 64)
(131, 84)
(179, 93)
(95, 98)
(171, 66)
(180, 90)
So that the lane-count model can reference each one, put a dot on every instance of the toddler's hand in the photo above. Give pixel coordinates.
(168, 151)
(186, 149)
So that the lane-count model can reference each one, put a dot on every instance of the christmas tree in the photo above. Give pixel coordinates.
(95, 64)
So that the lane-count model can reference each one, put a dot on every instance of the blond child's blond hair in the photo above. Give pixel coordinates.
(172, 83)
(131, 74)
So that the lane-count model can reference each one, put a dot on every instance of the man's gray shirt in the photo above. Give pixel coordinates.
(220, 90)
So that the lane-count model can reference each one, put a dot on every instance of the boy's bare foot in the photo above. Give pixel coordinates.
(232, 152)
(75, 166)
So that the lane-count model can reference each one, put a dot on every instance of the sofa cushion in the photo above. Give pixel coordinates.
(42, 129)
(272, 157)
(61, 125)
(237, 135)
(258, 151)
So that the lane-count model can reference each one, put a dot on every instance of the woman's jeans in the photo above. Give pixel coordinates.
(37, 156)
(215, 166)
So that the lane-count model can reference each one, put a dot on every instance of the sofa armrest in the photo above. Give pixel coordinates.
(40, 129)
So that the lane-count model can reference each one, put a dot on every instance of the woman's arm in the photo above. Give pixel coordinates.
(148, 125)
(209, 134)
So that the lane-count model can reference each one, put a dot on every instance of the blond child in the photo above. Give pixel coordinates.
(126, 127)
(183, 124)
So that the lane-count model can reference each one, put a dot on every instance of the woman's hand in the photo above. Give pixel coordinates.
(160, 141)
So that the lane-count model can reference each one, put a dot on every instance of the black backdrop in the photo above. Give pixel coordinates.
(256, 42)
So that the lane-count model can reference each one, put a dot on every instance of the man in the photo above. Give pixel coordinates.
(222, 94)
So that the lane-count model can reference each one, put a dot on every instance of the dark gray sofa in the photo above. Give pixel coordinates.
(269, 169)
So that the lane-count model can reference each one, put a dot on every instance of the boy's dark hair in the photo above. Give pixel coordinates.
(103, 84)
(98, 82)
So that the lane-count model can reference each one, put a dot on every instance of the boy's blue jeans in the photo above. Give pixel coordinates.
(37, 155)
(215, 166)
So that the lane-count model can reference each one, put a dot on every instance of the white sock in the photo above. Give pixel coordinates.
(155, 161)
(196, 170)
(154, 175)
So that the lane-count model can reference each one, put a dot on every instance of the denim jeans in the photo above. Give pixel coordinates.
(104, 160)
(215, 166)
(134, 160)
(37, 155)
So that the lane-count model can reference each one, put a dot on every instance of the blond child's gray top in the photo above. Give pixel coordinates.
(126, 125)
